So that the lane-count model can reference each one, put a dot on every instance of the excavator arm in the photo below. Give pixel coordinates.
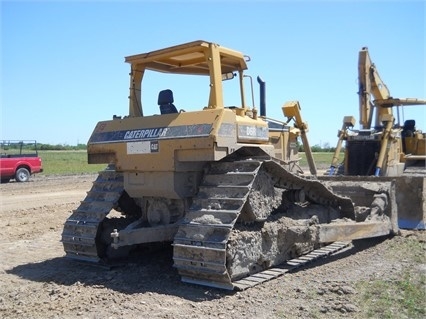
(389, 102)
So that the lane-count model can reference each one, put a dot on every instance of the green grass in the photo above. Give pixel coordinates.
(75, 162)
(67, 162)
(400, 298)
(322, 159)
(392, 299)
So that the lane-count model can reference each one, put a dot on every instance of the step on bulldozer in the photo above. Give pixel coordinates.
(221, 183)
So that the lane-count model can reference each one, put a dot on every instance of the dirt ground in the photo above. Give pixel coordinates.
(36, 281)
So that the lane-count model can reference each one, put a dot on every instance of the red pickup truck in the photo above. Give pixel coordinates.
(19, 160)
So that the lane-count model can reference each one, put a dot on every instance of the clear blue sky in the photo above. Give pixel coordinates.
(63, 70)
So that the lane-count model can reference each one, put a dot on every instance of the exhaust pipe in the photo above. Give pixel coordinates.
(262, 96)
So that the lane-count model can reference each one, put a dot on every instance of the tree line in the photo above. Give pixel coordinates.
(60, 147)
(319, 148)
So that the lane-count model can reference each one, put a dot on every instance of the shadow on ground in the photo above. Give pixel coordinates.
(149, 272)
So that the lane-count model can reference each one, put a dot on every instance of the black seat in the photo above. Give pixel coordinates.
(410, 125)
(407, 131)
(165, 101)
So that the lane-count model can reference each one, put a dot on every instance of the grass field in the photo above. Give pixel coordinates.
(75, 162)
(67, 162)
(322, 159)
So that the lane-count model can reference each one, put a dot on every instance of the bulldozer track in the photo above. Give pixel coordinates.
(202, 242)
(200, 245)
(83, 227)
(289, 266)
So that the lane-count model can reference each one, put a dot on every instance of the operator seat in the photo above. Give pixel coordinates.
(409, 128)
(165, 101)
(407, 131)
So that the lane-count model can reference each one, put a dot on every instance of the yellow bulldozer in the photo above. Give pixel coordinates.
(383, 148)
(221, 183)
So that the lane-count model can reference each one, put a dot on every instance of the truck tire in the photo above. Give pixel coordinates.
(22, 175)
(4, 180)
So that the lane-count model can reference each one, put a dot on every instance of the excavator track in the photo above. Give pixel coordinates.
(201, 243)
(80, 236)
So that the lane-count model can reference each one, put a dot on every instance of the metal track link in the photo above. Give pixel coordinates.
(315, 190)
(289, 266)
(79, 236)
(200, 243)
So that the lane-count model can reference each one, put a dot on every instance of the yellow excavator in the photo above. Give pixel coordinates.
(382, 147)
(217, 183)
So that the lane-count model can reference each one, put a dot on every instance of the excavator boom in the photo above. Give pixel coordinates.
(370, 85)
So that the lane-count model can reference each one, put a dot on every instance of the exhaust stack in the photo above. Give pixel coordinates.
(262, 96)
